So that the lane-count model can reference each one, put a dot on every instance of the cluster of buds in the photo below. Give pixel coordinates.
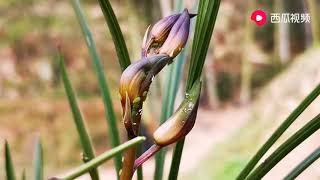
(168, 36)
(163, 42)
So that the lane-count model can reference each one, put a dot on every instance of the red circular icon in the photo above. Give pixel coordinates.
(259, 17)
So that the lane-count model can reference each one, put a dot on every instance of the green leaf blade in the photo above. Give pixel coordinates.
(303, 165)
(85, 140)
(278, 132)
(102, 158)
(285, 148)
(10, 174)
(38, 161)
(116, 33)
(105, 92)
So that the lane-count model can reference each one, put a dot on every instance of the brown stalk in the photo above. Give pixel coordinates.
(133, 131)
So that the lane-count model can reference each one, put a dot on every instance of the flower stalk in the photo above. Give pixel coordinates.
(161, 44)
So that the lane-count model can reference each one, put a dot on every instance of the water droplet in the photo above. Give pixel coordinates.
(187, 95)
(144, 94)
(152, 78)
(190, 106)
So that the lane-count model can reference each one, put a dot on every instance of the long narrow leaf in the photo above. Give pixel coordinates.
(277, 133)
(38, 161)
(108, 105)
(116, 33)
(23, 176)
(8, 163)
(139, 170)
(207, 13)
(88, 151)
(285, 148)
(101, 159)
(303, 165)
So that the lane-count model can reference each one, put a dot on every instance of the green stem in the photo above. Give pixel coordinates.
(285, 148)
(84, 168)
(140, 169)
(276, 135)
(176, 159)
(303, 165)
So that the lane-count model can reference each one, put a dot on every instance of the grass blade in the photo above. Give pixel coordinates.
(8, 163)
(285, 148)
(207, 13)
(23, 176)
(277, 133)
(303, 165)
(88, 152)
(38, 161)
(139, 170)
(116, 33)
(108, 105)
(101, 159)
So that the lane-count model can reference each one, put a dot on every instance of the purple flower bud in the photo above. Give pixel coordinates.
(174, 28)
(161, 29)
(178, 36)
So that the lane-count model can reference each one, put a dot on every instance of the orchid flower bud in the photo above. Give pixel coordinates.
(182, 121)
(134, 85)
(138, 76)
(178, 36)
(161, 29)
(159, 33)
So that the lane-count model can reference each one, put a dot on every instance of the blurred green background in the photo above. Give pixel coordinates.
(254, 77)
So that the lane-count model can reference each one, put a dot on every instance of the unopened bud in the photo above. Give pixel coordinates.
(182, 121)
(167, 29)
(161, 29)
(178, 36)
(136, 79)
